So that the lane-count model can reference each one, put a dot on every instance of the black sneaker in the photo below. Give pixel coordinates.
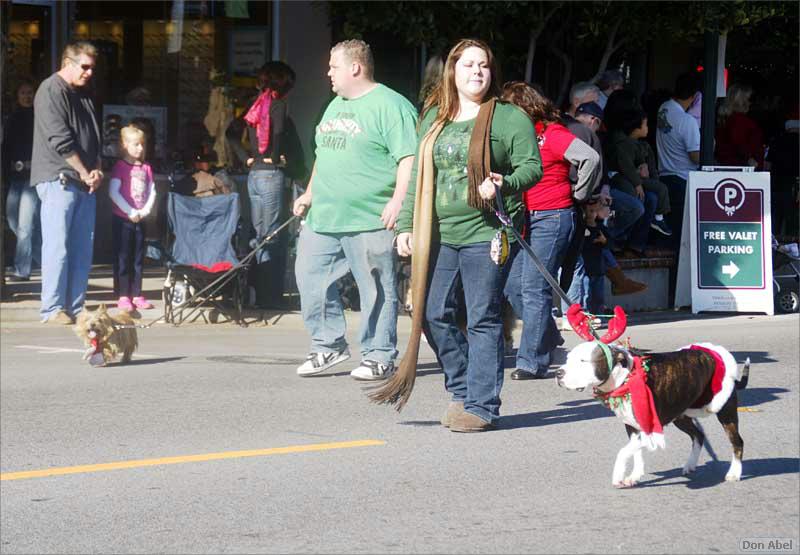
(662, 227)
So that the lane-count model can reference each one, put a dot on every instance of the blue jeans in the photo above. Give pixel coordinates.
(322, 259)
(22, 211)
(628, 222)
(472, 364)
(550, 232)
(68, 216)
(578, 291)
(266, 191)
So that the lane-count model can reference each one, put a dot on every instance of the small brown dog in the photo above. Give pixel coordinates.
(106, 335)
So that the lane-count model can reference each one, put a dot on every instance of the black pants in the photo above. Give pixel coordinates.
(128, 239)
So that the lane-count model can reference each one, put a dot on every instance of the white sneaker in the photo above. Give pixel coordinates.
(319, 362)
(370, 370)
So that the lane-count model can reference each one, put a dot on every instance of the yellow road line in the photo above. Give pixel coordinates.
(187, 458)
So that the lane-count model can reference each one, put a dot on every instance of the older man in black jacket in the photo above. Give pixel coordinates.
(66, 172)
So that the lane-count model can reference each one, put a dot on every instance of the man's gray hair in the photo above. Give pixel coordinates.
(75, 49)
(358, 51)
(580, 90)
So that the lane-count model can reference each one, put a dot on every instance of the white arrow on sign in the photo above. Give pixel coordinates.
(731, 269)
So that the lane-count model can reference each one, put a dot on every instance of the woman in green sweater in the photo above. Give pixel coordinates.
(469, 144)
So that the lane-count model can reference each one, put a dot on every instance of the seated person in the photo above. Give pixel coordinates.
(632, 160)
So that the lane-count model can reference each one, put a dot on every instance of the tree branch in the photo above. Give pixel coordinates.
(533, 38)
(566, 74)
(609, 50)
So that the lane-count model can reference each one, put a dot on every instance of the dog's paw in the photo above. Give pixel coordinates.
(734, 472)
(733, 476)
(688, 470)
(626, 483)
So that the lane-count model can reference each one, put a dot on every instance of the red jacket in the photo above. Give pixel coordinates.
(738, 140)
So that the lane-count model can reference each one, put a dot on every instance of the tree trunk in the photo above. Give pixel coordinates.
(609, 50)
(531, 53)
(566, 74)
(533, 38)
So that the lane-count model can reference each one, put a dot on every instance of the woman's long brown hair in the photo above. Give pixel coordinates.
(445, 95)
(538, 107)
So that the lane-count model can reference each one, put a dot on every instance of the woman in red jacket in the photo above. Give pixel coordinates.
(740, 141)
(551, 215)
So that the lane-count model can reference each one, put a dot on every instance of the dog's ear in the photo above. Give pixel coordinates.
(102, 308)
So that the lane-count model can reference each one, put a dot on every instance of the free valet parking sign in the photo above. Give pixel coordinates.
(730, 242)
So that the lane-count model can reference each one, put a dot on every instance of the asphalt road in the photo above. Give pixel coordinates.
(373, 481)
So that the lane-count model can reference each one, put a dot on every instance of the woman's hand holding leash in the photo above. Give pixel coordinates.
(487, 188)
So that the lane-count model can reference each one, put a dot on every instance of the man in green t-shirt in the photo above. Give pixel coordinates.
(365, 150)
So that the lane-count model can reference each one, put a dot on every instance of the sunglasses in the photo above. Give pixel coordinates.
(84, 67)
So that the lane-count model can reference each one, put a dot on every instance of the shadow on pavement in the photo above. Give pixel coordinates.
(143, 362)
(712, 473)
(753, 396)
(573, 411)
(756, 357)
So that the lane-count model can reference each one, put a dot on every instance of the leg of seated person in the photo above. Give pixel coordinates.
(677, 195)
(662, 193)
(627, 211)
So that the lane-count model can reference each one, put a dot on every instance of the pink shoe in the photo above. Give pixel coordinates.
(125, 304)
(142, 303)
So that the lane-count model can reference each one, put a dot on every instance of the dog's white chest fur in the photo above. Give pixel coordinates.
(624, 411)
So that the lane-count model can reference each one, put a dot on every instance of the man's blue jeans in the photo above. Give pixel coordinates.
(22, 211)
(68, 216)
(472, 364)
(529, 293)
(324, 258)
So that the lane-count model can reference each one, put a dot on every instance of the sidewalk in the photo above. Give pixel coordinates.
(20, 305)
(21, 301)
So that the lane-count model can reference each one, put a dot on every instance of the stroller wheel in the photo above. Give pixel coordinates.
(787, 302)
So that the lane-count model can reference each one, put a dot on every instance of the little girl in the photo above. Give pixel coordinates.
(133, 194)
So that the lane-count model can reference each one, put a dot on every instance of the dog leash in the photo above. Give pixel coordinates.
(505, 220)
(243, 262)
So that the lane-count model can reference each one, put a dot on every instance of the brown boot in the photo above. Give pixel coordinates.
(622, 285)
(453, 409)
(468, 422)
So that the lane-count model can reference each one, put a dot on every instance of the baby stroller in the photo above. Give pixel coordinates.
(786, 276)
(203, 270)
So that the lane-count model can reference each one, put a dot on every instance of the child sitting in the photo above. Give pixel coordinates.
(633, 160)
(133, 194)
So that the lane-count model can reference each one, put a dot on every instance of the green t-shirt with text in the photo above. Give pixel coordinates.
(359, 144)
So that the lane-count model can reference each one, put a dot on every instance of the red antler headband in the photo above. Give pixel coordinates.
(580, 324)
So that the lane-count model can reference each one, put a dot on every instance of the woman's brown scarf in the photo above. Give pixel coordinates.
(397, 390)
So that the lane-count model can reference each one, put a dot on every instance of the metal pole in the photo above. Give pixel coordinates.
(276, 29)
(708, 115)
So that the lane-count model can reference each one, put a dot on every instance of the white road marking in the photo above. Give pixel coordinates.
(45, 350)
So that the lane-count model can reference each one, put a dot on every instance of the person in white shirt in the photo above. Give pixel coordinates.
(678, 145)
